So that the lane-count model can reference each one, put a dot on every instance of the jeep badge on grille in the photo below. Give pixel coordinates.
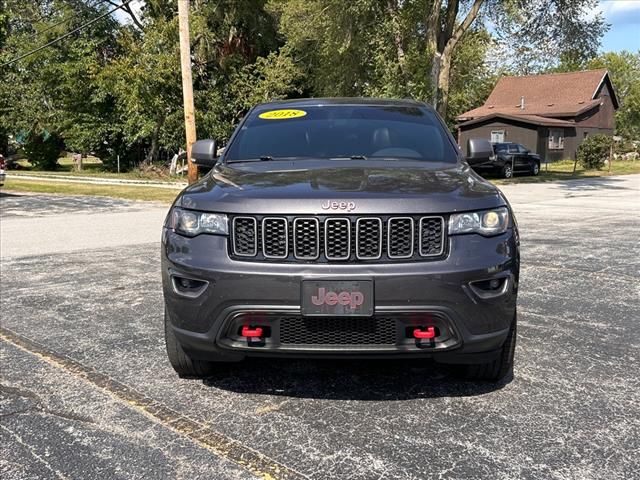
(335, 205)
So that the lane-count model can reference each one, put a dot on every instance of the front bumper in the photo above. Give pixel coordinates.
(471, 327)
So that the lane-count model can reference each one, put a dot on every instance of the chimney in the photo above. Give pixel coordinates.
(522, 103)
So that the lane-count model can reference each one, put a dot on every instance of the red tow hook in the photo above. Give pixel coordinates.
(249, 332)
(427, 334)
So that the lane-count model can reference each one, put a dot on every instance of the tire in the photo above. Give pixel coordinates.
(500, 367)
(185, 366)
(507, 171)
(535, 170)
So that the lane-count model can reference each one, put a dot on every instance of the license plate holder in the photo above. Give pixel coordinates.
(337, 298)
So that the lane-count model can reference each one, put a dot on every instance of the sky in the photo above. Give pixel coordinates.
(623, 15)
(123, 17)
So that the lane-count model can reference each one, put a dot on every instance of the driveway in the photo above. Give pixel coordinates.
(86, 390)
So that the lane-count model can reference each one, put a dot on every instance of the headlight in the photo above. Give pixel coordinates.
(192, 223)
(485, 222)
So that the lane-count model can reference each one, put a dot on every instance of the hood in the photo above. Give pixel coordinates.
(340, 186)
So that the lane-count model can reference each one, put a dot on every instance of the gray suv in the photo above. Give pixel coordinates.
(340, 228)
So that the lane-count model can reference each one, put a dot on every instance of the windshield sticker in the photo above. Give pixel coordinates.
(282, 114)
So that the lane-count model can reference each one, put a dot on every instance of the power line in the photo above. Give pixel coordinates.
(64, 20)
(62, 37)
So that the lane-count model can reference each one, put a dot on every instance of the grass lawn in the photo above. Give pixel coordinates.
(564, 171)
(61, 188)
(92, 167)
(134, 175)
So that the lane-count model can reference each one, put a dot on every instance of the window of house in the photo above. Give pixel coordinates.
(556, 139)
(497, 136)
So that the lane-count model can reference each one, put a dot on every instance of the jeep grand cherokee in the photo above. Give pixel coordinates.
(334, 228)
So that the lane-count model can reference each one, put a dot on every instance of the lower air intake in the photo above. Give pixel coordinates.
(337, 331)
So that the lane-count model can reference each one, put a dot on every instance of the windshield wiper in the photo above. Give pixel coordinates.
(266, 158)
(350, 157)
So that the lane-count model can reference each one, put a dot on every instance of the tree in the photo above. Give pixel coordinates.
(54, 92)
(538, 35)
(409, 47)
(370, 47)
(444, 32)
(145, 84)
(334, 42)
(115, 88)
(534, 31)
(235, 62)
(42, 150)
(624, 69)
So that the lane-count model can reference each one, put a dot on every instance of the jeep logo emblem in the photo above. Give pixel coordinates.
(353, 299)
(334, 205)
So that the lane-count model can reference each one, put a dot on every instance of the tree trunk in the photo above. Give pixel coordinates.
(443, 84)
(436, 65)
(432, 26)
(442, 61)
(398, 40)
(153, 151)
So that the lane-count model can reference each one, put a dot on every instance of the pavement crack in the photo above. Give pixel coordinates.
(17, 412)
(32, 451)
(19, 392)
(39, 405)
(208, 438)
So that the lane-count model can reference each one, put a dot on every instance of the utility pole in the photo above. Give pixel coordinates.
(187, 87)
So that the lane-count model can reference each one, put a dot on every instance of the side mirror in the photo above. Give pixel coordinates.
(478, 149)
(204, 153)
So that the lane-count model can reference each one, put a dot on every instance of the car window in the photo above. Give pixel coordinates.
(513, 148)
(522, 149)
(500, 148)
(343, 131)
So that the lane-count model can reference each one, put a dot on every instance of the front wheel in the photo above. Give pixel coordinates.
(535, 169)
(183, 364)
(507, 171)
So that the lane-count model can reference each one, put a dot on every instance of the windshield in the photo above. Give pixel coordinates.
(342, 131)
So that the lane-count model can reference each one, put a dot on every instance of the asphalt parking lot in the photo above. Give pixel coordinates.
(86, 390)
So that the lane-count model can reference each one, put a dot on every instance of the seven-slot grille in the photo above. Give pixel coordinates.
(329, 239)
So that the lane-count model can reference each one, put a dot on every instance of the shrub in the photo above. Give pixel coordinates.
(594, 151)
(42, 150)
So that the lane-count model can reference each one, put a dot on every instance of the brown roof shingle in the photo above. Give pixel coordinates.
(531, 119)
(556, 94)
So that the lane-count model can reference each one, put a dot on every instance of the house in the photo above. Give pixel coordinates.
(548, 114)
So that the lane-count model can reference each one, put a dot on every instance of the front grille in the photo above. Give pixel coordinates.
(338, 239)
(401, 237)
(430, 235)
(275, 238)
(368, 238)
(337, 331)
(306, 238)
(245, 236)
